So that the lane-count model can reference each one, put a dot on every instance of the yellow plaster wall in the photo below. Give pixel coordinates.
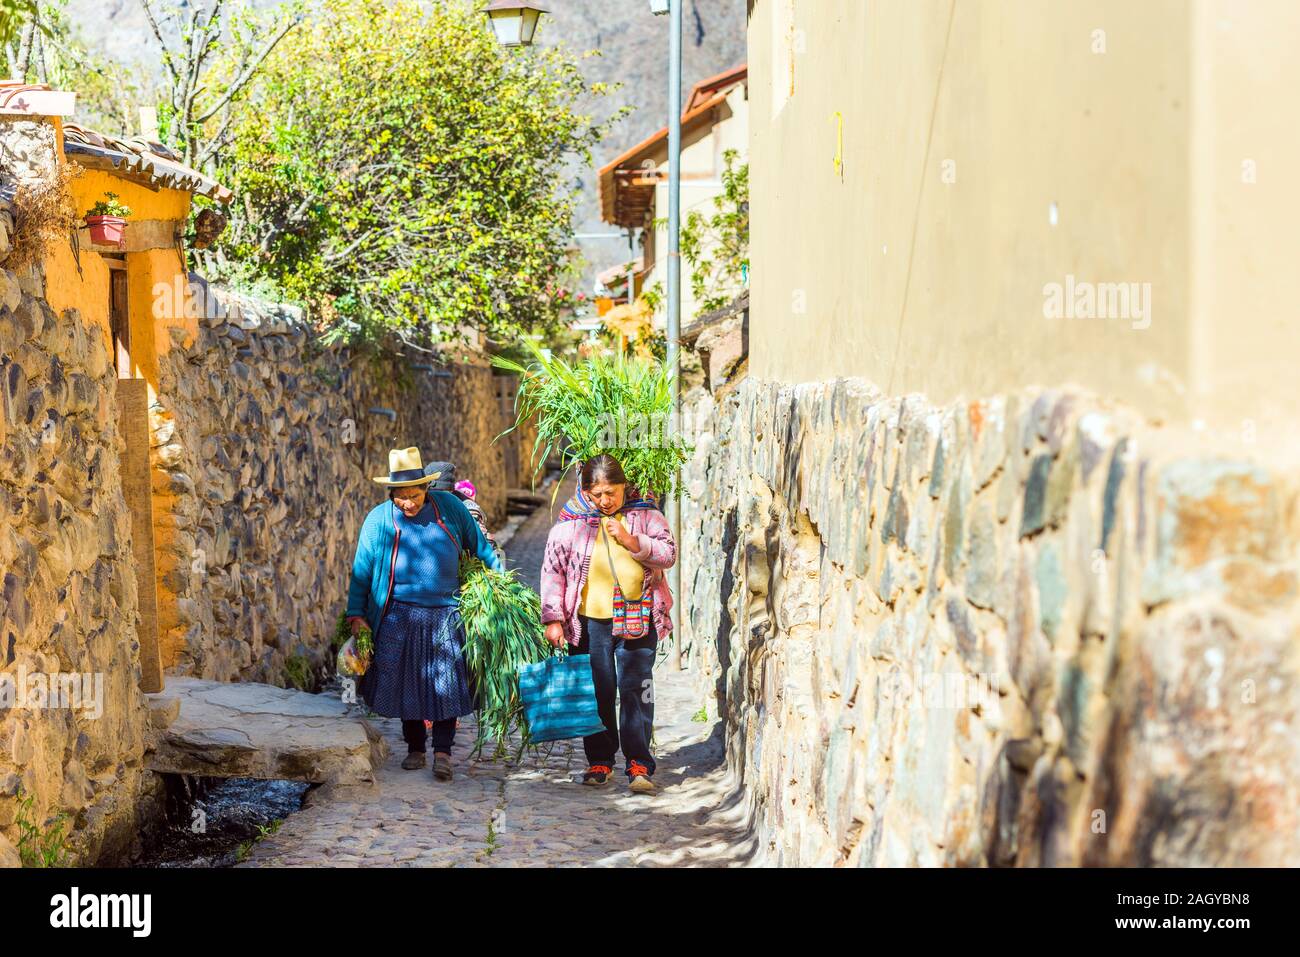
(158, 301)
(156, 309)
(86, 289)
(91, 184)
(993, 147)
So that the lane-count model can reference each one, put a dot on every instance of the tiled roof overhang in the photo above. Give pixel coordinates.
(140, 162)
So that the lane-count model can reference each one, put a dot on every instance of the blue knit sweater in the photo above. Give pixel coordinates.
(428, 561)
(368, 590)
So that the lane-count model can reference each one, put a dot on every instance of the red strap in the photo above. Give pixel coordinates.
(397, 537)
(437, 515)
(392, 565)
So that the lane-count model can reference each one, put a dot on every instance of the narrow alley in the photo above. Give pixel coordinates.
(906, 390)
(534, 813)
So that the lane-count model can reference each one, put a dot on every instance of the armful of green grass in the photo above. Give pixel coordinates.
(503, 630)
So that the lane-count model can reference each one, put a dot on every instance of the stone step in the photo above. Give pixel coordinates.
(250, 730)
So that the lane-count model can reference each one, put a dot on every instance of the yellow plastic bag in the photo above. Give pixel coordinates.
(350, 661)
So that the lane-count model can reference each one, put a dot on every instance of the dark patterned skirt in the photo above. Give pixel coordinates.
(419, 666)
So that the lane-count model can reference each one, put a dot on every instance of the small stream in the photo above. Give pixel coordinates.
(212, 822)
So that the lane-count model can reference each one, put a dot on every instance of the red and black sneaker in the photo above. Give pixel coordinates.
(597, 775)
(639, 778)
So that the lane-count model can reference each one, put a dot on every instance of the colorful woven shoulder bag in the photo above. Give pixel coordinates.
(631, 618)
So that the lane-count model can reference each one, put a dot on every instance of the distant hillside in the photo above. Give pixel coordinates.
(634, 47)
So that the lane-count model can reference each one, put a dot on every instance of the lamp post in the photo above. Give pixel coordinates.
(673, 8)
(515, 23)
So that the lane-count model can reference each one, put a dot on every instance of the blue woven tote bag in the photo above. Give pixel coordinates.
(559, 698)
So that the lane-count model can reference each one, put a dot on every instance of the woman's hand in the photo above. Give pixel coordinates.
(614, 528)
(555, 634)
(355, 622)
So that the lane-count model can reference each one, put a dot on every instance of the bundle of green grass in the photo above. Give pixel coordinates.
(606, 404)
(503, 630)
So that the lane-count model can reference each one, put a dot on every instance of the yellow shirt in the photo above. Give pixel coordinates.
(598, 589)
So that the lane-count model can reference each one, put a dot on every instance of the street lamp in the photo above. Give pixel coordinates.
(514, 21)
(659, 7)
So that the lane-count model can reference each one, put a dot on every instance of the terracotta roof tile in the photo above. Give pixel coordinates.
(152, 163)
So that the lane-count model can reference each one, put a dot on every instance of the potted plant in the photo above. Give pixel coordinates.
(107, 220)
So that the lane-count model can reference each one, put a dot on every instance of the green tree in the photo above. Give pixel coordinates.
(717, 246)
(210, 50)
(18, 30)
(402, 173)
(35, 42)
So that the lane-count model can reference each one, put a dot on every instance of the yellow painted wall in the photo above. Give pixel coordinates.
(157, 293)
(87, 289)
(991, 147)
(91, 184)
(1245, 243)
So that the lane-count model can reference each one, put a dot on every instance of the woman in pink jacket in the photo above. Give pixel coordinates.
(604, 592)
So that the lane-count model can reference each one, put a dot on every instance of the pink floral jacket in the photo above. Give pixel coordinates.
(568, 558)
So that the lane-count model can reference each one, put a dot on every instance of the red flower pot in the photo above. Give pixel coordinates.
(106, 230)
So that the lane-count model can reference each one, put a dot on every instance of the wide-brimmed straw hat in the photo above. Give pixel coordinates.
(405, 468)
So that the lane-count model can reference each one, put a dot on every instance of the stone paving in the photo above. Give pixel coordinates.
(532, 813)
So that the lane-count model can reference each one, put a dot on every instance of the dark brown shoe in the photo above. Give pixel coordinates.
(442, 767)
(413, 761)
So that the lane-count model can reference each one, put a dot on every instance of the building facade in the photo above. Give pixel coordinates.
(993, 554)
(184, 474)
(633, 187)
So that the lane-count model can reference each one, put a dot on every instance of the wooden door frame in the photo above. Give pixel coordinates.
(136, 470)
(119, 316)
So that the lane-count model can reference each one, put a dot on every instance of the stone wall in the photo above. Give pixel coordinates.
(68, 592)
(265, 446)
(71, 761)
(1032, 630)
(263, 449)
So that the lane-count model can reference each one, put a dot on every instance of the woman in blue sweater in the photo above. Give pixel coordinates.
(405, 585)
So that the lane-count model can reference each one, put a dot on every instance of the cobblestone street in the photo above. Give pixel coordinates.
(534, 813)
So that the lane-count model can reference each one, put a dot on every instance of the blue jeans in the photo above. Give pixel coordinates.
(625, 665)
